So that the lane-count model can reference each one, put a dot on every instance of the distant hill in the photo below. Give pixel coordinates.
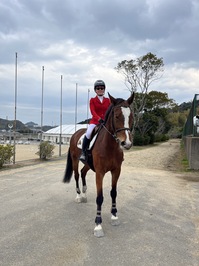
(186, 106)
(20, 127)
(31, 124)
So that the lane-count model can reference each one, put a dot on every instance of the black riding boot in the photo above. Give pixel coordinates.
(84, 148)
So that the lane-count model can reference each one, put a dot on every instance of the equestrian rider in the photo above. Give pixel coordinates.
(98, 107)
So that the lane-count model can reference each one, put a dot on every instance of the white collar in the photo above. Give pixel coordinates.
(100, 98)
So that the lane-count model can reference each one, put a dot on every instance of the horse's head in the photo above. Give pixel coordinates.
(122, 119)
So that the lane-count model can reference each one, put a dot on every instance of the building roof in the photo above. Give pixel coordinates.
(66, 129)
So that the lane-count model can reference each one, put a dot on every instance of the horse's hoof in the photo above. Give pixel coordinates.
(98, 231)
(78, 199)
(114, 220)
(84, 199)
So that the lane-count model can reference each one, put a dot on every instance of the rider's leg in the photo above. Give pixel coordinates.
(86, 142)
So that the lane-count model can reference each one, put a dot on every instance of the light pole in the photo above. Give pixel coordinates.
(88, 106)
(15, 119)
(10, 126)
(76, 108)
(60, 132)
(42, 106)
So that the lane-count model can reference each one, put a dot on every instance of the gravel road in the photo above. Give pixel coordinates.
(158, 208)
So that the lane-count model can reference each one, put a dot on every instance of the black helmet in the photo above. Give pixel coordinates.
(99, 83)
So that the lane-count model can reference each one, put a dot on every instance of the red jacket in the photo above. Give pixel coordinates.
(98, 109)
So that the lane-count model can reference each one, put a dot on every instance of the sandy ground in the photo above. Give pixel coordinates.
(158, 208)
(28, 152)
(157, 156)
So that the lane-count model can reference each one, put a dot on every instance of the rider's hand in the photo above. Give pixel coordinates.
(101, 121)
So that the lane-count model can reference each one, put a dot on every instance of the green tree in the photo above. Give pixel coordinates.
(156, 109)
(157, 99)
(139, 74)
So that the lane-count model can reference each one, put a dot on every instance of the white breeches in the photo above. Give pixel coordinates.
(90, 130)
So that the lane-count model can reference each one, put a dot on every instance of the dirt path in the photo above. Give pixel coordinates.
(158, 208)
(157, 156)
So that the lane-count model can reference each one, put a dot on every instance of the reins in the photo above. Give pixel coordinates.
(115, 131)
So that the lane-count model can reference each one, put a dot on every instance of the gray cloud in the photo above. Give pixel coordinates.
(84, 41)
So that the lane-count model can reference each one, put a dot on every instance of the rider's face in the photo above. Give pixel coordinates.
(99, 90)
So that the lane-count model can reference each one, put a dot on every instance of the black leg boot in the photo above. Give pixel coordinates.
(84, 148)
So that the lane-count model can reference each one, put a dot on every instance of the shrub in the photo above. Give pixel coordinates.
(139, 140)
(45, 150)
(161, 137)
(6, 152)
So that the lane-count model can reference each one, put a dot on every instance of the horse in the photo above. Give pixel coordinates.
(107, 156)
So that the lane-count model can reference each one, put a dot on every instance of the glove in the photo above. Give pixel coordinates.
(101, 121)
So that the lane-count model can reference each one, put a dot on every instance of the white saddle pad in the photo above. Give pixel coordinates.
(80, 142)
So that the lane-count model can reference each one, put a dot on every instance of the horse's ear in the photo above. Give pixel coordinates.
(113, 100)
(130, 99)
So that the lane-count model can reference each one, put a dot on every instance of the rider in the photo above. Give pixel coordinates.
(98, 107)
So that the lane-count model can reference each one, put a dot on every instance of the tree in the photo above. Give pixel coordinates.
(139, 74)
(154, 120)
(157, 99)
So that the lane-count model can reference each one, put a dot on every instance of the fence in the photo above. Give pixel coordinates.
(191, 135)
(189, 128)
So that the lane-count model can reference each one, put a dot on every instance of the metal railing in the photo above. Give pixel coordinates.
(189, 128)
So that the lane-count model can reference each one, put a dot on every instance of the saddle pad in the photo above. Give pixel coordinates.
(80, 142)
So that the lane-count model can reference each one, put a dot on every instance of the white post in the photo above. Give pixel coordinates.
(76, 108)
(42, 105)
(60, 132)
(15, 119)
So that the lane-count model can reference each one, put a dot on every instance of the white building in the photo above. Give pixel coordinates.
(53, 135)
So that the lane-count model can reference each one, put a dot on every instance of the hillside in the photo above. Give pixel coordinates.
(19, 125)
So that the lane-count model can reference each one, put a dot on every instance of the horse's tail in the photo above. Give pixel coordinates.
(69, 168)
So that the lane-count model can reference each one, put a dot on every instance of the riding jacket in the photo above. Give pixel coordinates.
(98, 109)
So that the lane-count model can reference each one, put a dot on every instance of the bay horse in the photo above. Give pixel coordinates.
(107, 155)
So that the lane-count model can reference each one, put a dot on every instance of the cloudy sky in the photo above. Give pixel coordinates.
(84, 40)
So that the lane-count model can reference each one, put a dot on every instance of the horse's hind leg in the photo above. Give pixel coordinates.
(78, 198)
(84, 171)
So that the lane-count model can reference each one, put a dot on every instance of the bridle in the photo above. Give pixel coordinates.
(115, 131)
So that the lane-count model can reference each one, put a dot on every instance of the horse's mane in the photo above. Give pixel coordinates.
(117, 102)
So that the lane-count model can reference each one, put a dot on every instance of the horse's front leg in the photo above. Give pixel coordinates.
(78, 198)
(98, 231)
(113, 193)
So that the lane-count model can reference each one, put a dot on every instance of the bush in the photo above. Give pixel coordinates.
(45, 150)
(152, 139)
(161, 137)
(139, 140)
(6, 152)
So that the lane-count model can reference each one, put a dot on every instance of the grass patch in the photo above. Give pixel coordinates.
(183, 158)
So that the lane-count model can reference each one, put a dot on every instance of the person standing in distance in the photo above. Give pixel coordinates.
(98, 107)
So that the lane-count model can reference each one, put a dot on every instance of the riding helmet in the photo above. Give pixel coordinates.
(99, 83)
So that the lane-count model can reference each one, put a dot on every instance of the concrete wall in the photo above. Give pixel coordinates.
(192, 151)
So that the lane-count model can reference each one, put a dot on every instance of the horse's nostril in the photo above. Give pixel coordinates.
(123, 143)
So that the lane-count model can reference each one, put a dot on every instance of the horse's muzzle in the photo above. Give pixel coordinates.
(126, 145)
